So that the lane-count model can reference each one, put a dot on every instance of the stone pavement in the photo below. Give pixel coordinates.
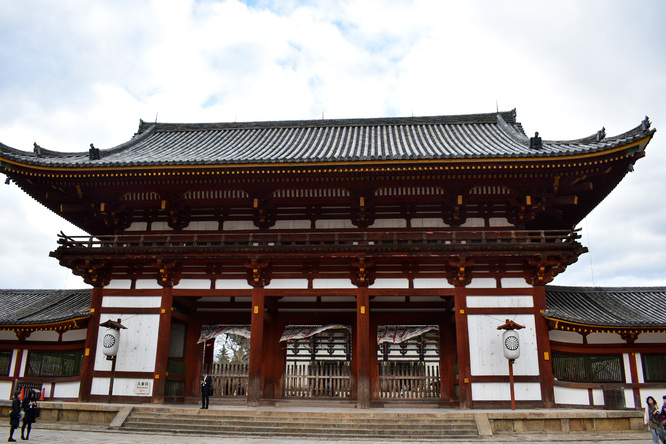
(40, 434)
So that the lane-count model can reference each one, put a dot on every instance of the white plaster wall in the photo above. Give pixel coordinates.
(5, 390)
(500, 301)
(499, 222)
(137, 348)
(122, 284)
(132, 301)
(565, 336)
(232, 284)
(143, 284)
(193, 284)
(627, 366)
(202, 226)
(598, 397)
(420, 222)
(24, 363)
(66, 390)
(651, 338)
(501, 391)
(485, 345)
(641, 375)
(288, 283)
(75, 335)
(292, 225)
(515, 283)
(432, 283)
(629, 399)
(389, 223)
(483, 283)
(46, 336)
(568, 395)
(391, 283)
(334, 224)
(8, 335)
(604, 338)
(474, 222)
(233, 225)
(332, 283)
(160, 226)
(121, 386)
(655, 392)
(13, 363)
(138, 226)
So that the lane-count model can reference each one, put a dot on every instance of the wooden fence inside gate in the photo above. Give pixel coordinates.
(409, 380)
(327, 379)
(229, 379)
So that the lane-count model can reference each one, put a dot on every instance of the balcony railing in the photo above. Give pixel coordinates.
(324, 240)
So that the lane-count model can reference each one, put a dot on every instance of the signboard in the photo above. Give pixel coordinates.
(142, 387)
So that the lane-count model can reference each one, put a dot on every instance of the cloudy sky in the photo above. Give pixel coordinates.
(75, 72)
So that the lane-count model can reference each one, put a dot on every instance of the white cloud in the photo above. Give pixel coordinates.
(79, 72)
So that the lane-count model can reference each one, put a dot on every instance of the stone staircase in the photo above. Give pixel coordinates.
(303, 424)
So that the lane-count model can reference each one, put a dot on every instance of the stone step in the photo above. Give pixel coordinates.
(303, 424)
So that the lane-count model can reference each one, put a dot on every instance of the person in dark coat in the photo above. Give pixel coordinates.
(14, 417)
(206, 388)
(29, 403)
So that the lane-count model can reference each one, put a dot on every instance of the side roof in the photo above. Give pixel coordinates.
(474, 136)
(32, 307)
(613, 307)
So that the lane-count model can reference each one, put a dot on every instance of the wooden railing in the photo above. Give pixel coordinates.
(317, 380)
(321, 239)
(229, 379)
(409, 382)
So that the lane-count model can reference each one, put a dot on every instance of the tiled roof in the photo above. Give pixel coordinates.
(608, 307)
(476, 136)
(30, 307)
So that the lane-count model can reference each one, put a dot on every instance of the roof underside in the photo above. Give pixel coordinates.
(37, 307)
(637, 307)
(477, 136)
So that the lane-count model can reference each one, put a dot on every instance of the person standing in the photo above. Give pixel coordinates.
(206, 388)
(652, 418)
(29, 405)
(14, 417)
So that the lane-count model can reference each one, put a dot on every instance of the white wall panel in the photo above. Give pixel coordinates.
(334, 224)
(47, 336)
(515, 283)
(288, 283)
(233, 225)
(485, 345)
(122, 284)
(142, 284)
(160, 226)
(13, 363)
(131, 302)
(137, 226)
(332, 283)
(629, 399)
(66, 390)
(420, 222)
(292, 225)
(626, 357)
(474, 222)
(121, 386)
(604, 338)
(483, 283)
(574, 396)
(389, 223)
(598, 397)
(500, 301)
(202, 226)
(232, 284)
(499, 222)
(501, 391)
(5, 389)
(432, 283)
(570, 337)
(7, 335)
(390, 283)
(137, 349)
(193, 284)
(651, 338)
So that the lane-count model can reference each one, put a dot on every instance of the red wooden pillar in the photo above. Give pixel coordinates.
(462, 336)
(164, 336)
(256, 348)
(90, 350)
(447, 360)
(273, 362)
(546, 378)
(362, 349)
(192, 361)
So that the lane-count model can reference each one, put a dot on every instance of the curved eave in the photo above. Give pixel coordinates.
(564, 325)
(59, 326)
(401, 164)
